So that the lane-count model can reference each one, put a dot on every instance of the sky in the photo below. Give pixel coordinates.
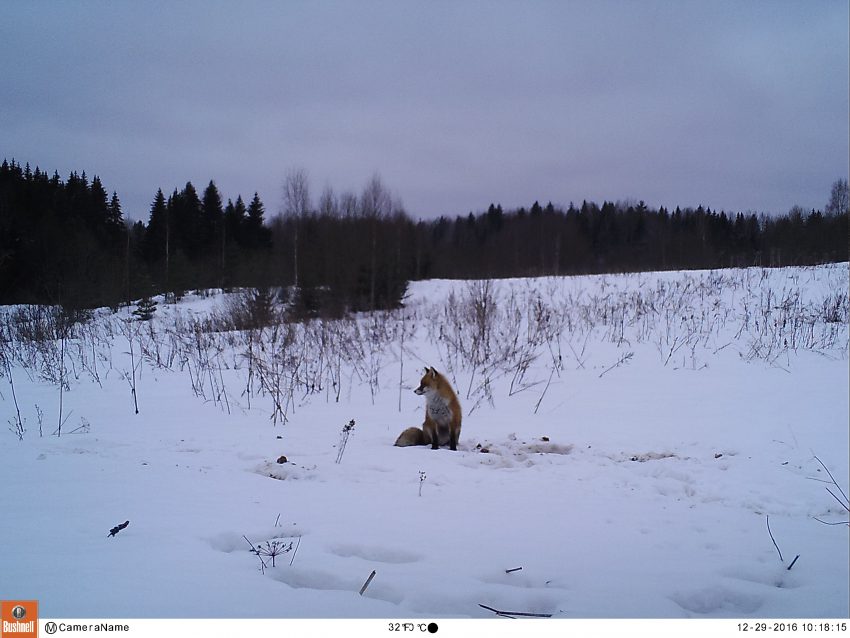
(739, 106)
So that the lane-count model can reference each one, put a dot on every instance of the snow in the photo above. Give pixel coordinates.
(623, 486)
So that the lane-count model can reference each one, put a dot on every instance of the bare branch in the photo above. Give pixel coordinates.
(834, 482)
(511, 614)
(767, 519)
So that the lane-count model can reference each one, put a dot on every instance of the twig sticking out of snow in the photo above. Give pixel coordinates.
(793, 561)
(368, 580)
(256, 552)
(297, 545)
(767, 520)
(548, 383)
(624, 359)
(512, 614)
(17, 426)
(85, 427)
(515, 569)
(118, 528)
(846, 502)
(346, 432)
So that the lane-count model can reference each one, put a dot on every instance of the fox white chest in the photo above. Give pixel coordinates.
(438, 409)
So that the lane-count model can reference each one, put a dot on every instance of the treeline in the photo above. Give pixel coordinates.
(628, 237)
(61, 242)
(67, 242)
(350, 252)
(195, 242)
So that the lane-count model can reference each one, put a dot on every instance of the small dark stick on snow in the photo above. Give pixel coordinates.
(793, 561)
(511, 614)
(515, 569)
(118, 528)
(368, 580)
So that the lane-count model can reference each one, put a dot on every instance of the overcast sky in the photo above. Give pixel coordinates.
(734, 105)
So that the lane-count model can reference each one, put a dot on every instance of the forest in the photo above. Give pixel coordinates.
(67, 242)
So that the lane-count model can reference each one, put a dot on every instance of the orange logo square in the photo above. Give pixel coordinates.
(19, 618)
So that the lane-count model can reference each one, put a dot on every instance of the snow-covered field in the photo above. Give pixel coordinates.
(626, 442)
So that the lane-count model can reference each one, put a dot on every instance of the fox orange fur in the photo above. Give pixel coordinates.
(442, 414)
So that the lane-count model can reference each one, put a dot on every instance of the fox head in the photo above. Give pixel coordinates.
(429, 382)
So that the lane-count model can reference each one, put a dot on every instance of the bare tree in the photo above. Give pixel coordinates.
(839, 198)
(376, 201)
(348, 204)
(375, 204)
(296, 204)
(328, 203)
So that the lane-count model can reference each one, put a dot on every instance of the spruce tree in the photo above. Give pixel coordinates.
(257, 236)
(186, 215)
(156, 237)
(234, 221)
(211, 218)
(115, 228)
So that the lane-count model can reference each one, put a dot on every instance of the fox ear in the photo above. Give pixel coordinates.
(433, 372)
(427, 370)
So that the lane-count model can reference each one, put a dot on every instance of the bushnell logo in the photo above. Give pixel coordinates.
(19, 618)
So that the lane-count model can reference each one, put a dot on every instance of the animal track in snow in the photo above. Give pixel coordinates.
(778, 577)
(375, 554)
(229, 542)
(322, 580)
(718, 601)
(520, 579)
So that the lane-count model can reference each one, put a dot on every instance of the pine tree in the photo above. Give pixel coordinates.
(211, 216)
(257, 236)
(156, 237)
(188, 228)
(114, 226)
(114, 218)
(234, 221)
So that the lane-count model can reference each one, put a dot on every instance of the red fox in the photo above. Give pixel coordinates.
(442, 414)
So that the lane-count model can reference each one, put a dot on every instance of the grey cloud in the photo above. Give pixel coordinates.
(733, 105)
